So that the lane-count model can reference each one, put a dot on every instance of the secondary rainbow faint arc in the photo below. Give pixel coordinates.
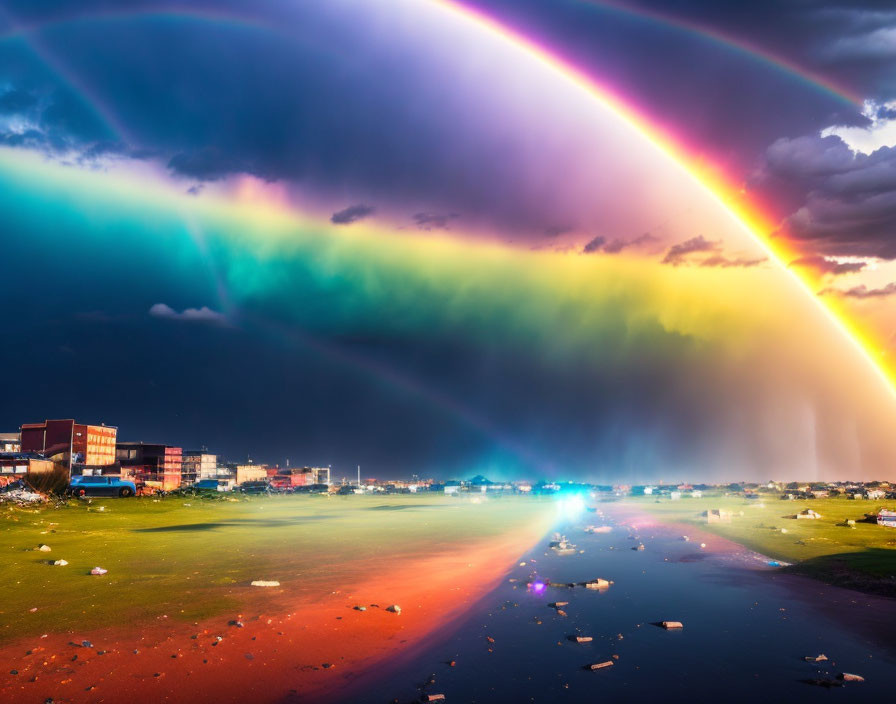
(711, 182)
(729, 42)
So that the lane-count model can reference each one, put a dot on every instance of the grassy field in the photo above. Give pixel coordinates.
(192, 558)
(863, 557)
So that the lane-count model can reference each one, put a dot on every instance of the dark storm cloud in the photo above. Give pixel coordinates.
(824, 265)
(288, 105)
(861, 291)
(434, 221)
(207, 164)
(594, 245)
(617, 245)
(351, 214)
(841, 202)
(677, 253)
(723, 262)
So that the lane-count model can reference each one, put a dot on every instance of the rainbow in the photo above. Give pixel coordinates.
(749, 218)
(731, 198)
(735, 44)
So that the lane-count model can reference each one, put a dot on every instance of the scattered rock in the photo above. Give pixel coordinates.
(98, 570)
(582, 639)
(265, 583)
(816, 658)
(360, 608)
(433, 697)
(86, 644)
(394, 608)
(43, 548)
(597, 584)
(671, 625)
(59, 563)
(847, 677)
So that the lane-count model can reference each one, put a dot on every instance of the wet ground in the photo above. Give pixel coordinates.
(746, 631)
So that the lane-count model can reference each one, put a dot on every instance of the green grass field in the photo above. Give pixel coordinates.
(192, 558)
(863, 557)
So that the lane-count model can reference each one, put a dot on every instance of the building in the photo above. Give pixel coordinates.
(198, 465)
(10, 442)
(152, 466)
(15, 465)
(251, 473)
(291, 477)
(71, 443)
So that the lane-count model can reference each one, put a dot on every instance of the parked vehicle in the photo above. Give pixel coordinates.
(311, 489)
(257, 487)
(102, 486)
(211, 485)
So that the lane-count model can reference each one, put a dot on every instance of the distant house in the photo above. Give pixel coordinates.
(875, 494)
(10, 442)
(674, 495)
(15, 465)
(697, 494)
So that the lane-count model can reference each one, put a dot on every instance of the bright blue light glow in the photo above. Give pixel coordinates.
(570, 507)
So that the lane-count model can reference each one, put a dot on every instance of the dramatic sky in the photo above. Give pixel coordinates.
(616, 241)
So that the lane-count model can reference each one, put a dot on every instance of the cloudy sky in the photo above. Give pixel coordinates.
(610, 240)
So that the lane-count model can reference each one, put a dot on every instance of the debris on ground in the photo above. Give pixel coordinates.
(265, 583)
(601, 665)
(433, 697)
(98, 570)
(558, 604)
(43, 548)
(562, 546)
(848, 677)
(639, 546)
(671, 625)
(394, 608)
(59, 563)
(597, 584)
(582, 639)
(20, 492)
(360, 608)
(816, 658)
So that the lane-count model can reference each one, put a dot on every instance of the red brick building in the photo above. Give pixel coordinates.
(68, 442)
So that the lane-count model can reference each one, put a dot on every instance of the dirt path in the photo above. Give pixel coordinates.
(307, 654)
